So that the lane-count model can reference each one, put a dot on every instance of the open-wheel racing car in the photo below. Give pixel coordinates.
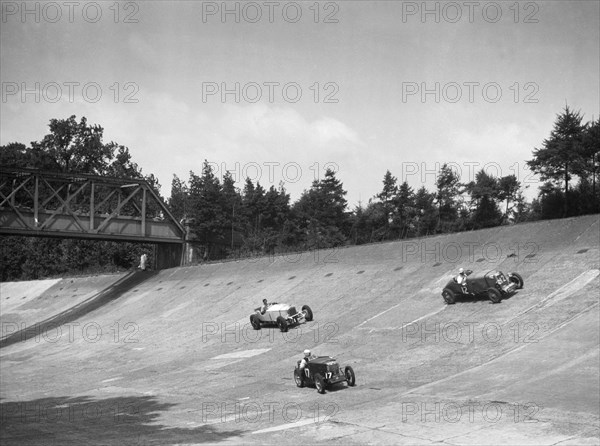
(493, 285)
(323, 371)
(282, 315)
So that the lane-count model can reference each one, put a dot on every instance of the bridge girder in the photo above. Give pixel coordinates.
(53, 204)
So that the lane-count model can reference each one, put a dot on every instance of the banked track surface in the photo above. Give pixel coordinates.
(174, 361)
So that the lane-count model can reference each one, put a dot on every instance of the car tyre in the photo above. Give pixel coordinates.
(449, 296)
(308, 314)
(516, 278)
(282, 324)
(494, 295)
(255, 322)
(319, 383)
(298, 378)
(350, 377)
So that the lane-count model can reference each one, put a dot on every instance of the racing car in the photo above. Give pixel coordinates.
(282, 315)
(322, 372)
(494, 285)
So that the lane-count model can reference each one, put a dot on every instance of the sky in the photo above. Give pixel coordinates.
(280, 91)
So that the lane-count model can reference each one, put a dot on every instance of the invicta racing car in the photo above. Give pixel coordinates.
(493, 284)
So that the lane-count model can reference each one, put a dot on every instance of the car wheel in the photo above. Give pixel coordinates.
(350, 378)
(319, 383)
(449, 296)
(255, 322)
(494, 295)
(282, 324)
(516, 278)
(298, 378)
(308, 314)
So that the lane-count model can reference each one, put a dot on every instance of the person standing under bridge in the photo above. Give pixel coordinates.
(143, 262)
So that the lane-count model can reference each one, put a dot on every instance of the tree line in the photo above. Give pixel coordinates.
(226, 221)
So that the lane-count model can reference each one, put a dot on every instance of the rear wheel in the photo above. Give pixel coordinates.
(494, 295)
(449, 296)
(350, 378)
(308, 314)
(282, 324)
(516, 278)
(255, 322)
(319, 383)
(298, 378)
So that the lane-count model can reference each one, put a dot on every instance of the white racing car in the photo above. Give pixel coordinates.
(282, 315)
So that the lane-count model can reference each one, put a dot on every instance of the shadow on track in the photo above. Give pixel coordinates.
(105, 296)
(87, 421)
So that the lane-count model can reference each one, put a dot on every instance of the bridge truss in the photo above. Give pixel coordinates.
(53, 204)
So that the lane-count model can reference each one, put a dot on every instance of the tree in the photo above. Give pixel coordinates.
(389, 188)
(562, 153)
(404, 204)
(484, 191)
(321, 213)
(447, 192)
(178, 199)
(508, 189)
(73, 146)
(206, 210)
(426, 213)
(388, 207)
(14, 154)
(590, 167)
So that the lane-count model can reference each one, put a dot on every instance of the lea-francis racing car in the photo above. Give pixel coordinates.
(493, 285)
(282, 315)
(323, 371)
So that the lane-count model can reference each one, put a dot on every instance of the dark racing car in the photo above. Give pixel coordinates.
(322, 372)
(494, 285)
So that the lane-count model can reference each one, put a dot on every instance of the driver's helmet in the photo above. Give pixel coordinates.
(307, 353)
(461, 270)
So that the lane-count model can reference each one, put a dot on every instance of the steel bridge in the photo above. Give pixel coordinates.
(52, 204)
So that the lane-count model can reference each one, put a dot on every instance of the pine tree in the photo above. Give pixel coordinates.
(562, 153)
(447, 193)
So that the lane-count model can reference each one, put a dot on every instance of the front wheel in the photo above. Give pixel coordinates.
(494, 295)
(298, 378)
(255, 322)
(319, 383)
(350, 378)
(308, 314)
(516, 278)
(282, 324)
(449, 296)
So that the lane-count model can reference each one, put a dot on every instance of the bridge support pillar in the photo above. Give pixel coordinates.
(168, 255)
